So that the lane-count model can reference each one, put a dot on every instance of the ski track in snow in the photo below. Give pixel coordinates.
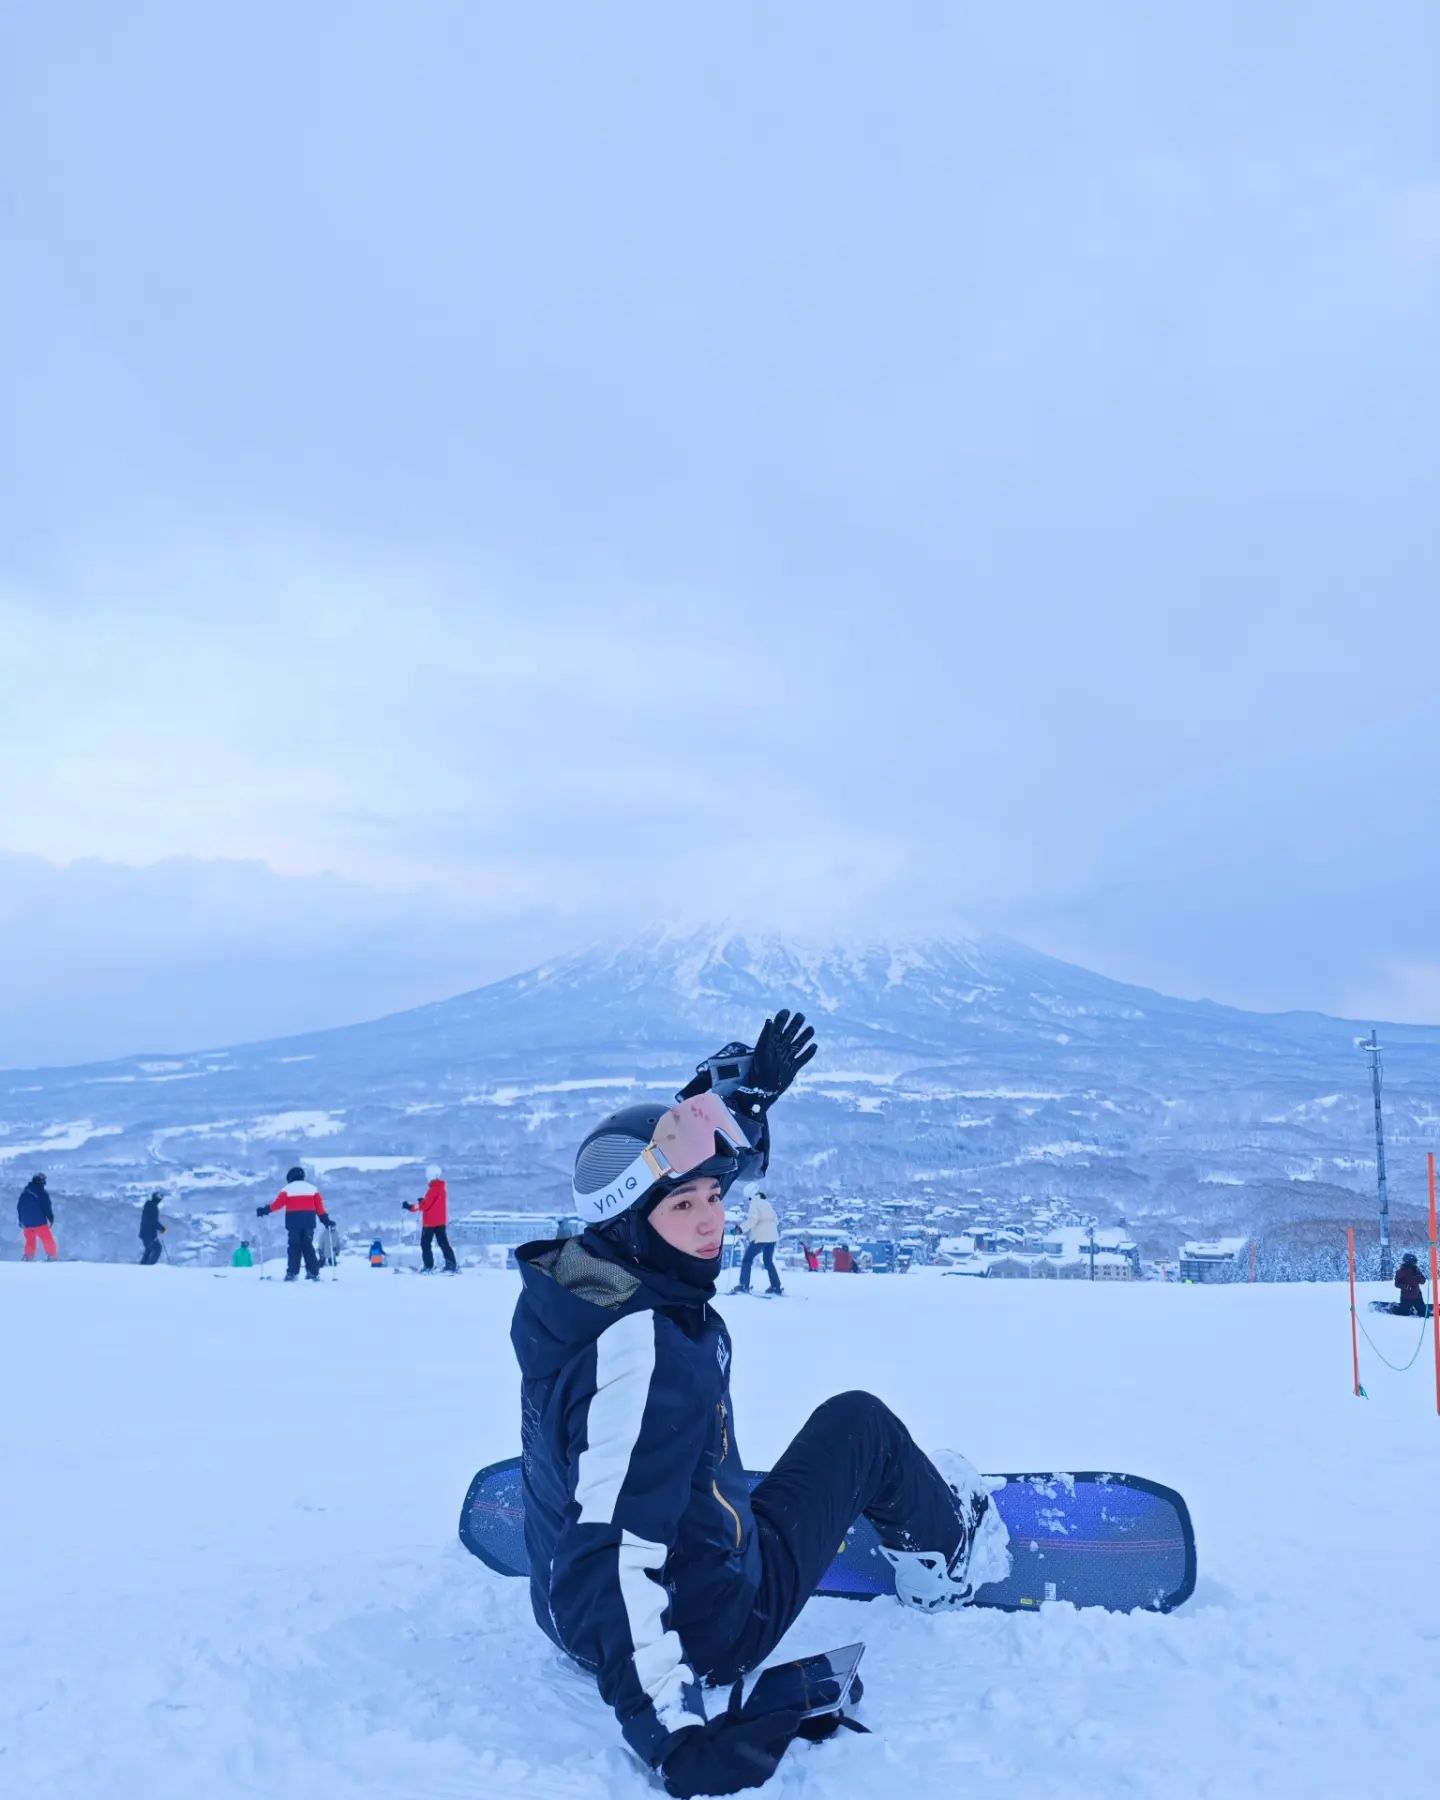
(232, 1568)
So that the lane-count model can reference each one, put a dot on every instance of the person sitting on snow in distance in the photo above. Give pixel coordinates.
(303, 1204)
(1409, 1278)
(653, 1565)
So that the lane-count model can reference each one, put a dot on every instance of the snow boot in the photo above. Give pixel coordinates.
(294, 1277)
(923, 1578)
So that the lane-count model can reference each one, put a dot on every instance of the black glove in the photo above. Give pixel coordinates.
(408, 1206)
(261, 1211)
(731, 1753)
(786, 1043)
(327, 1221)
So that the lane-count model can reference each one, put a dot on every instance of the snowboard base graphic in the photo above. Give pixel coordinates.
(1115, 1541)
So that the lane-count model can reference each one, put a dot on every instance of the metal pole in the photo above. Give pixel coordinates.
(1387, 1264)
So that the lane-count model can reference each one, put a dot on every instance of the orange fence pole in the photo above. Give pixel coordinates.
(1434, 1283)
(1354, 1333)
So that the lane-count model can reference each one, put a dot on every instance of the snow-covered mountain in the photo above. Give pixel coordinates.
(948, 1068)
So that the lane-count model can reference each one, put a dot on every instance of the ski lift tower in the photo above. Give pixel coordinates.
(1377, 1081)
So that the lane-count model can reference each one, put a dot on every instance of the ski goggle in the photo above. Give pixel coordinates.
(693, 1132)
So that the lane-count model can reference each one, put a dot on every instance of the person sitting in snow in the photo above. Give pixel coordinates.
(302, 1204)
(242, 1259)
(1409, 1278)
(652, 1563)
(433, 1207)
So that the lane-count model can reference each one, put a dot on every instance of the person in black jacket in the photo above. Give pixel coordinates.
(652, 1564)
(1409, 1278)
(151, 1230)
(37, 1216)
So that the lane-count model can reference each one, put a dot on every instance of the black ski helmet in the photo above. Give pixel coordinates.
(1408, 1257)
(614, 1144)
(295, 1174)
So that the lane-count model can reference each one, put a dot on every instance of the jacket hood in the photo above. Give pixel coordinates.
(572, 1291)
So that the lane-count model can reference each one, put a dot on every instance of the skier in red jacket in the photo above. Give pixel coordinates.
(302, 1205)
(434, 1210)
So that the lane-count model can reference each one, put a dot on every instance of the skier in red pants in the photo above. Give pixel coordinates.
(37, 1216)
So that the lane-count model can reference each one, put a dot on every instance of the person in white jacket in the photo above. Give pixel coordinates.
(762, 1230)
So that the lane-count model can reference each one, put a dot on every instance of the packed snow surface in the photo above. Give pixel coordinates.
(231, 1568)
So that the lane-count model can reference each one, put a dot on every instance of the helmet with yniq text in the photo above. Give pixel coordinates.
(610, 1177)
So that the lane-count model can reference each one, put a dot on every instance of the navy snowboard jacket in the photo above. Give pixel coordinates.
(643, 1554)
(34, 1207)
(150, 1226)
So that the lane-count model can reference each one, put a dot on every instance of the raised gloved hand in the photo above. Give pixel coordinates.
(731, 1753)
(410, 1206)
(786, 1043)
(261, 1211)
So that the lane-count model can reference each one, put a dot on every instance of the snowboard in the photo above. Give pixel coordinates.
(1115, 1541)
(1392, 1307)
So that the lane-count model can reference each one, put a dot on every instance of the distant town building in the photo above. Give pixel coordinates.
(511, 1229)
(1219, 1259)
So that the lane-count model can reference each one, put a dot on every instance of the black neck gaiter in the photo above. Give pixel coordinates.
(633, 1241)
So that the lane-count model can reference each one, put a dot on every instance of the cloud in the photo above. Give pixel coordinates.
(98, 959)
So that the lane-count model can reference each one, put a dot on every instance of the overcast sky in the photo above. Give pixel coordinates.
(499, 472)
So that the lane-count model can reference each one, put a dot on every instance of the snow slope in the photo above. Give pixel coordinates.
(229, 1508)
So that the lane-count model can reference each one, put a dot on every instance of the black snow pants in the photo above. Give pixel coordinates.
(852, 1456)
(1412, 1304)
(152, 1252)
(766, 1252)
(300, 1241)
(435, 1234)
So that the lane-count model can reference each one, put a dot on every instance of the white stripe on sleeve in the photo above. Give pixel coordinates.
(659, 1660)
(624, 1363)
